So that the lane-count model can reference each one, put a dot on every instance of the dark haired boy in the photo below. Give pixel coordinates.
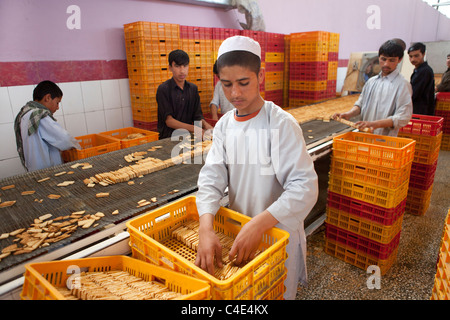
(259, 154)
(178, 100)
(385, 103)
(422, 81)
(39, 138)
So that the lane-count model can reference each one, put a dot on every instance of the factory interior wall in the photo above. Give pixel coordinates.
(80, 45)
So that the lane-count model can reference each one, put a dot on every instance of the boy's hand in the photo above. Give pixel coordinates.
(248, 239)
(246, 243)
(209, 249)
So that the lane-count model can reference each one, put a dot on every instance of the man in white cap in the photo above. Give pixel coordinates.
(259, 153)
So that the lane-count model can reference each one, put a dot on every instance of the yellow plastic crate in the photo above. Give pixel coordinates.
(378, 150)
(380, 196)
(363, 227)
(91, 145)
(373, 175)
(445, 143)
(258, 280)
(42, 278)
(122, 134)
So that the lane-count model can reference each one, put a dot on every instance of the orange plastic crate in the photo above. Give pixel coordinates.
(122, 134)
(257, 280)
(153, 30)
(91, 145)
(445, 143)
(42, 278)
(423, 142)
(357, 258)
(307, 85)
(310, 36)
(308, 56)
(378, 150)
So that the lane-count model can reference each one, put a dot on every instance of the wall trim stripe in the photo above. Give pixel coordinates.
(33, 72)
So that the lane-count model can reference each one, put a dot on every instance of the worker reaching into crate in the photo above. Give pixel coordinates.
(259, 153)
(385, 103)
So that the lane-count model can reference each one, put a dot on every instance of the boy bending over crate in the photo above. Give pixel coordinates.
(259, 153)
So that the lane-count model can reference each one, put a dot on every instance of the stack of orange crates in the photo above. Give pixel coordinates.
(367, 190)
(274, 65)
(198, 44)
(427, 132)
(441, 288)
(309, 67)
(443, 110)
(333, 54)
(147, 47)
(287, 50)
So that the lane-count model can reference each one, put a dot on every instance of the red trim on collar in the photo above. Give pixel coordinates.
(246, 117)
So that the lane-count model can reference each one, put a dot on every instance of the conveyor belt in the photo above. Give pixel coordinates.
(123, 197)
(78, 196)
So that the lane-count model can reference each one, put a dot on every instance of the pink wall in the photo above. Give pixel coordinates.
(411, 20)
(36, 30)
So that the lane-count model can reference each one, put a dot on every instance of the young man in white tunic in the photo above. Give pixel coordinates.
(385, 104)
(259, 153)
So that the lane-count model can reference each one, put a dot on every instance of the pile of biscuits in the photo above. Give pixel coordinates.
(44, 231)
(187, 234)
(144, 166)
(115, 285)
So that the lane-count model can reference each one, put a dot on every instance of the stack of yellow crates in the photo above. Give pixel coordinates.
(427, 132)
(309, 66)
(443, 110)
(368, 185)
(147, 47)
(198, 44)
(274, 65)
(441, 288)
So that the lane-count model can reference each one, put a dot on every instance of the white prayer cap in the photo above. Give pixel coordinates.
(239, 43)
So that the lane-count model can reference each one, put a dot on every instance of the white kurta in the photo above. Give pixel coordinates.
(265, 165)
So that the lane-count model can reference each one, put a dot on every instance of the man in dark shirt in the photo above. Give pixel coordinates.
(444, 86)
(422, 81)
(178, 100)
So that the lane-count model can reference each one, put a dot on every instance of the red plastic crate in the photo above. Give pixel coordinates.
(201, 33)
(333, 56)
(223, 33)
(366, 210)
(423, 170)
(443, 96)
(316, 70)
(421, 183)
(424, 125)
(445, 114)
(151, 126)
(307, 95)
(274, 42)
(274, 66)
(370, 247)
